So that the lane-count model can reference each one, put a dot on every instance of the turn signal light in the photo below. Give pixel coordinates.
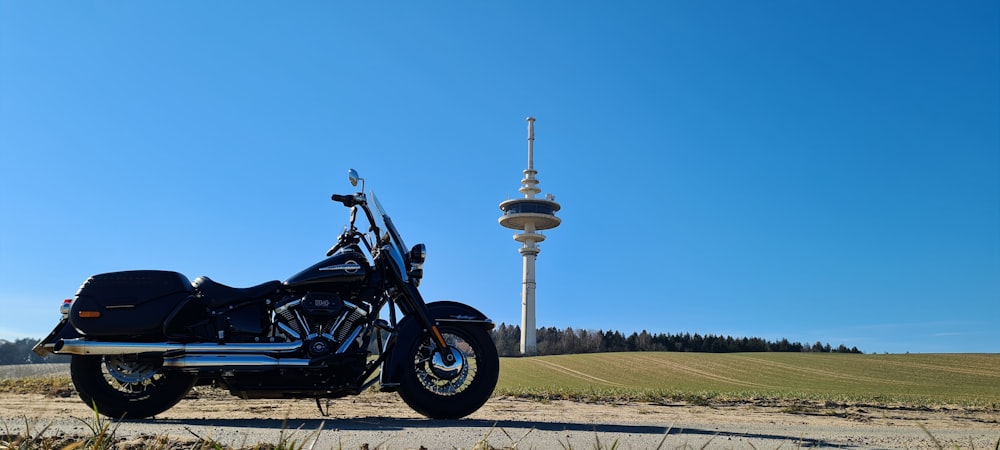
(90, 314)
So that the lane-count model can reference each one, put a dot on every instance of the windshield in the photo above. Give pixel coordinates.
(384, 222)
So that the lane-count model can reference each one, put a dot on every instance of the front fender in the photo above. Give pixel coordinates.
(409, 330)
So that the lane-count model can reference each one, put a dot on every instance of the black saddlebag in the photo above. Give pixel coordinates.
(129, 304)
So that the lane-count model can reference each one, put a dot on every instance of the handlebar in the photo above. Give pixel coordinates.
(353, 236)
(346, 200)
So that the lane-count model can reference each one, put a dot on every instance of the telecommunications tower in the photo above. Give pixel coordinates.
(529, 214)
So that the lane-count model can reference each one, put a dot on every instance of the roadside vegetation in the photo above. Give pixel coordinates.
(50, 386)
(101, 435)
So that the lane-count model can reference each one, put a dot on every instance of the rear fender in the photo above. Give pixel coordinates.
(409, 330)
(63, 330)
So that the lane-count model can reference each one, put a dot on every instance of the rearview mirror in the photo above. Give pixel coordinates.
(353, 176)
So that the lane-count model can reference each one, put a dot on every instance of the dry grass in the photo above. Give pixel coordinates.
(60, 386)
(33, 370)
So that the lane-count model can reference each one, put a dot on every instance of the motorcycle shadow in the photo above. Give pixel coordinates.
(397, 424)
(513, 428)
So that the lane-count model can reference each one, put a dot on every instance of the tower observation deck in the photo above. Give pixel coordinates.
(529, 214)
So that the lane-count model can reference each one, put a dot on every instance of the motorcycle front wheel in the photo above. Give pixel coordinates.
(128, 386)
(451, 391)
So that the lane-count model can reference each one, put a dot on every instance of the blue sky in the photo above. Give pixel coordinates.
(819, 171)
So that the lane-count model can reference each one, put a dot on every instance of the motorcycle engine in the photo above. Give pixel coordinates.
(326, 323)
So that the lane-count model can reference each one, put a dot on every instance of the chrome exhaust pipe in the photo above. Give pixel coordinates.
(85, 347)
(228, 361)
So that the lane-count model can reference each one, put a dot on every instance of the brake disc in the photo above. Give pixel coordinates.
(129, 371)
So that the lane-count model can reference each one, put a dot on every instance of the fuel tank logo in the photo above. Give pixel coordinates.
(351, 266)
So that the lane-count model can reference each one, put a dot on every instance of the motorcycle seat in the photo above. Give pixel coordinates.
(217, 294)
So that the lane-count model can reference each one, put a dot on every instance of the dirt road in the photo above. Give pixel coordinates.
(382, 421)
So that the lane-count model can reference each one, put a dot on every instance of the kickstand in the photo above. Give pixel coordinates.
(319, 406)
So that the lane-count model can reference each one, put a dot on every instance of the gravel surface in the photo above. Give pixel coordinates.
(383, 421)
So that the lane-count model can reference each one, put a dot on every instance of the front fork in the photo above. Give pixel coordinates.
(412, 303)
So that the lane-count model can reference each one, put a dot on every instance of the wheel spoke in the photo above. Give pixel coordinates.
(130, 376)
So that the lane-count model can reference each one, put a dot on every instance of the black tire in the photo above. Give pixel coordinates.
(440, 398)
(128, 386)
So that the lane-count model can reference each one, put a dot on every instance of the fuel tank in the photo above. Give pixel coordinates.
(346, 267)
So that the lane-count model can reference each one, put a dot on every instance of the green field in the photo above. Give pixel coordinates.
(917, 379)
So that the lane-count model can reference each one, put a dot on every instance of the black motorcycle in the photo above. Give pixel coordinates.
(140, 340)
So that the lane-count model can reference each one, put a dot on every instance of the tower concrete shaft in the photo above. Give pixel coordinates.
(529, 251)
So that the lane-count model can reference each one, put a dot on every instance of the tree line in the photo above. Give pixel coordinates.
(19, 352)
(553, 341)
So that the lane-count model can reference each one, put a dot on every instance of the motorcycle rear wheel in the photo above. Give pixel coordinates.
(461, 391)
(128, 386)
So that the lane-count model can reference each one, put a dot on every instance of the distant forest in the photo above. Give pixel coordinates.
(552, 341)
(19, 352)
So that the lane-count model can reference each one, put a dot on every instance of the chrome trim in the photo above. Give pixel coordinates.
(289, 331)
(65, 307)
(356, 308)
(302, 322)
(85, 347)
(448, 371)
(350, 340)
(222, 361)
(42, 349)
(351, 267)
(483, 321)
(340, 321)
(281, 309)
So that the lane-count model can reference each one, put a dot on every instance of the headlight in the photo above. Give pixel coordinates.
(418, 254)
